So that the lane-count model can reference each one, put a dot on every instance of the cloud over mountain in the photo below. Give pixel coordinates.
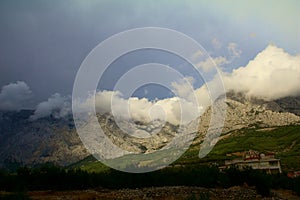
(172, 110)
(56, 105)
(15, 96)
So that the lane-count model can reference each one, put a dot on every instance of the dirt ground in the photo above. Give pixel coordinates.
(162, 193)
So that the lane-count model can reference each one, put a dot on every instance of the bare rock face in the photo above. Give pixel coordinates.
(144, 138)
(240, 115)
(242, 112)
(122, 136)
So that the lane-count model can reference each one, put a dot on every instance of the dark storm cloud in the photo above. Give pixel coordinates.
(44, 42)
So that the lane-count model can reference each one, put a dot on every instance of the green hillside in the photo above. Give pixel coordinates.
(284, 141)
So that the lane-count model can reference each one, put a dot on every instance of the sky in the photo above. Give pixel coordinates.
(43, 44)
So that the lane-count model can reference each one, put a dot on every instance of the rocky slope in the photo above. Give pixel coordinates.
(145, 138)
(243, 112)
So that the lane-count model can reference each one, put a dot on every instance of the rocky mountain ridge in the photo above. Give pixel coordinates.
(244, 112)
(56, 140)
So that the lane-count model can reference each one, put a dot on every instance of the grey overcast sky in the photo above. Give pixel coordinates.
(44, 42)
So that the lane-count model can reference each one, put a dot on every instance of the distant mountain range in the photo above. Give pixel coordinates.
(27, 142)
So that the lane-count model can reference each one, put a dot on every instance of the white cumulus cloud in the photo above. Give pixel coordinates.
(272, 74)
(174, 110)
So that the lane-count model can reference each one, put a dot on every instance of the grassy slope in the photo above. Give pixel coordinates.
(285, 141)
(90, 164)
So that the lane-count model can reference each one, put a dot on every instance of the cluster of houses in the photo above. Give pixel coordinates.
(255, 160)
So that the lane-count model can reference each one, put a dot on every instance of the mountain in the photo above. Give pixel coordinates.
(55, 140)
(144, 138)
(23, 141)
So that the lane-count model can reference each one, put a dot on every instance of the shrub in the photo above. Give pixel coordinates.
(296, 187)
